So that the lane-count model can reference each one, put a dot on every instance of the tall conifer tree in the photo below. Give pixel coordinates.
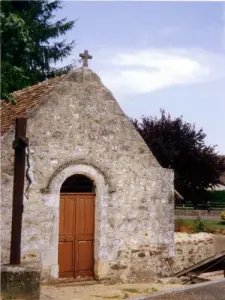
(30, 43)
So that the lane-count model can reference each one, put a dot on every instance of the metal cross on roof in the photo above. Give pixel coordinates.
(85, 56)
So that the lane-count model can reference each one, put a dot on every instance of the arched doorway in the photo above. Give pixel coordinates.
(76, 228)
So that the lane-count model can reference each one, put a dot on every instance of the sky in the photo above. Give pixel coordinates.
(157, 55)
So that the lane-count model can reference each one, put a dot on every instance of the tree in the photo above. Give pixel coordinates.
(179, 146)
(30, 43)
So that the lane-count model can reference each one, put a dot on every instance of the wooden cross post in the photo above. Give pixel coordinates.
(19, 144)
(85, 56)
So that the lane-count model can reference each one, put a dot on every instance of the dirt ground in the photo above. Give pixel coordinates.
(97, 291)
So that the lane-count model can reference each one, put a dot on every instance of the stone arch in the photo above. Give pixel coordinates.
(51, 199)
(89, 169)
(91, 172)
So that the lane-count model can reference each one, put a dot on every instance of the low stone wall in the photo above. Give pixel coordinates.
(192, 212)
(193, 248)
(21, 281)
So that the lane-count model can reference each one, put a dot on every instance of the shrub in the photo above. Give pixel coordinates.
(198, 226)
(222, 216)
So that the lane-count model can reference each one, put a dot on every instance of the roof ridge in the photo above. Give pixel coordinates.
(38, 84)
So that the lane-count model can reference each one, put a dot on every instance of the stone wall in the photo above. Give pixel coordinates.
(145, 263)
(139, 264)
(151, 262)
(80, 129)
(193, 248)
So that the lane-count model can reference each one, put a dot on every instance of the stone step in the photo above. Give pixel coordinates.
(71, 282)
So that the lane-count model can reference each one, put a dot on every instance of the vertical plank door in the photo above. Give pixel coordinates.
(76, 236)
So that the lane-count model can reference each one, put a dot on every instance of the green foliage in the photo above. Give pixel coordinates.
(222, 216)
(9, 297)
(208, 224)
(217, 196)
(198, 226)
(179, 146)
(30, 43)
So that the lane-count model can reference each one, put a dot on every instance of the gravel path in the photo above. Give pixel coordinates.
(100, 291)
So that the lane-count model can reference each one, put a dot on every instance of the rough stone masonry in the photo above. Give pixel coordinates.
(75, 126)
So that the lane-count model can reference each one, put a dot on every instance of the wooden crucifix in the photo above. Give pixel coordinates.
(19, 145)
(85, 56)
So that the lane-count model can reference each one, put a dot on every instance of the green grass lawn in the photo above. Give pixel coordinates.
(214, 224)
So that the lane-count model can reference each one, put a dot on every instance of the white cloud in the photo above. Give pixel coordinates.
(130, 72)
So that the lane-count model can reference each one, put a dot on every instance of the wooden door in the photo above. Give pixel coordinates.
(76, 235)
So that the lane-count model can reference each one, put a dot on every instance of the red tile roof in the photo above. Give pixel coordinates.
(26, 99)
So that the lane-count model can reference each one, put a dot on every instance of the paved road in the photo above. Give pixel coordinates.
(204, 291)
(203, 218)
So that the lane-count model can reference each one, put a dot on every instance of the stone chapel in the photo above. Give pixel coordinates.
(97, 203)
